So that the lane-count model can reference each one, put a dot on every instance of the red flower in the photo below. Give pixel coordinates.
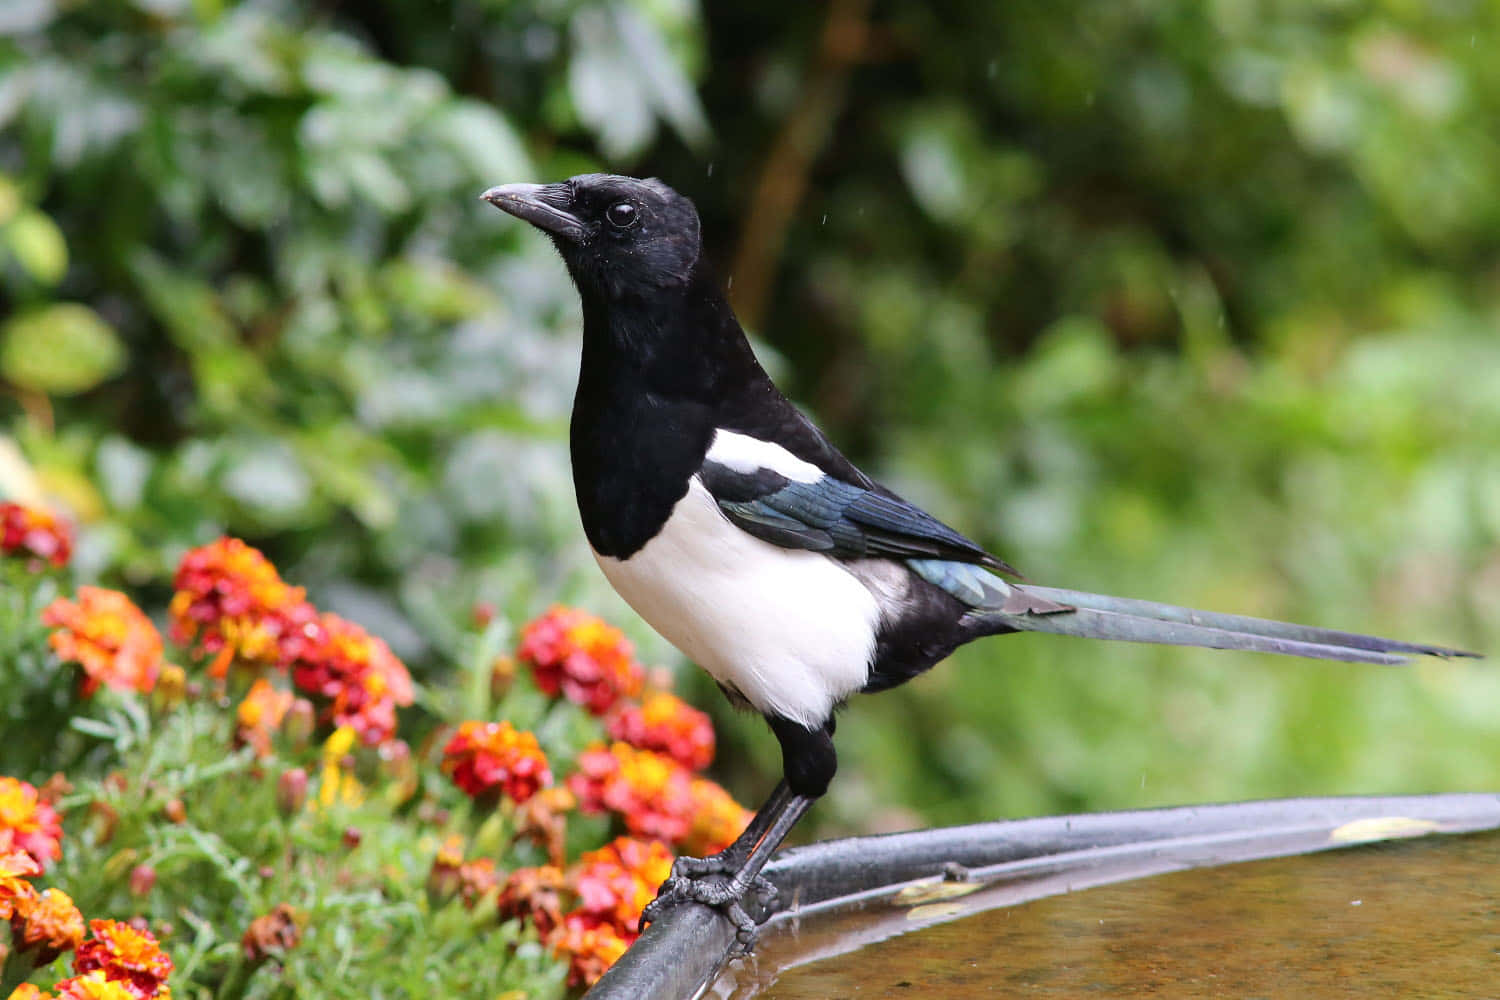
(573, 652)
(616, 882)
(613, 886)
(357, 672)
(590, 945)
(717, 819)
(665, 723)
(125, 955)
(111, 638)
(231, 600)
(650, 791)
(28, 824)
(487, 758)
(34, 533)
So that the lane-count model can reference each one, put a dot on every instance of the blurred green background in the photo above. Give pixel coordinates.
(1182, 300)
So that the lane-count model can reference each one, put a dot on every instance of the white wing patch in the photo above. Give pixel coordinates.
(747, 454)
(791, 630)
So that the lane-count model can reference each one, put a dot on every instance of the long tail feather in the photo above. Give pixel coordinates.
(1101, 617)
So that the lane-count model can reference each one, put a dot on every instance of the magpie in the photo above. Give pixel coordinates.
(727, 520)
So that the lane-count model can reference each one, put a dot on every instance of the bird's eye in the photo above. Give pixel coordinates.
(621, 215)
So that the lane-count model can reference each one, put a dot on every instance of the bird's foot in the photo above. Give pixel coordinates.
(713, 881)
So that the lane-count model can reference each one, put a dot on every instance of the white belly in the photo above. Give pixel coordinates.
(792, 631)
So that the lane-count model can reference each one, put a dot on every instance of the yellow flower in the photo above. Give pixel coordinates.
(95, 986)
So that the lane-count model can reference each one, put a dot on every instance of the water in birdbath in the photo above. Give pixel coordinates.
(1409, 918)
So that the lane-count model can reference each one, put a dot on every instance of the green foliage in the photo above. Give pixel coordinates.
(1191, 302)
(234, 856)
(60, 349)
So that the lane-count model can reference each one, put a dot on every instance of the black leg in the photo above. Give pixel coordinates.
(732, 857)
(727, 895)
(722, 886)
(723, 879)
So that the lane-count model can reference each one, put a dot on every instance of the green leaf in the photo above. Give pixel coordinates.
(60, 349)
(38, 246)
(10, 199)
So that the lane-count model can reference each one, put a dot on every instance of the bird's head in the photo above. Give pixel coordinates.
(620, 236)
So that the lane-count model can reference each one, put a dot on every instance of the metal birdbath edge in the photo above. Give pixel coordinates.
(931, 876)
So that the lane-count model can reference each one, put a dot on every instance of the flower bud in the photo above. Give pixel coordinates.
(142, 880)
(291, 792)
(445, 879)
(171, 686)
(502, 677)
(301, 721)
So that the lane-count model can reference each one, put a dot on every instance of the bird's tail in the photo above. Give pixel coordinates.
(1028, 608)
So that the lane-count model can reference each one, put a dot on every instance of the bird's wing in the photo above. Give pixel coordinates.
(787, 501)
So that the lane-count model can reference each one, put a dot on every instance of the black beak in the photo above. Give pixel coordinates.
(542, 205)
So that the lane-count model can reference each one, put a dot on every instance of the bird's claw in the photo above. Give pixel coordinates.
(710, 881)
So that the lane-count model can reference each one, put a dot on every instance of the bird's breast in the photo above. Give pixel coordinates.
(791, 630)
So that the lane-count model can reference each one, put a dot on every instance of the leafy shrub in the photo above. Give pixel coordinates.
(243, 794)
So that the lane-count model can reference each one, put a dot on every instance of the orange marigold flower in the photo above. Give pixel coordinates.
(590, 945)
(273, 934)
(97, 985)
(717, 819)
(106, 634)
(34, 533)
(476, 879)
(452, 876)
(126, 955)
(544, 820)
(260, 715)
(50, 926)
(26, 991)
(28, 823)
(650, 791)
(233, 603)
(16, 893)
(616, 882)
(444, 879)
(573, 652)
(488, 758)
(665, 723)
(358, 673)
(535, 894)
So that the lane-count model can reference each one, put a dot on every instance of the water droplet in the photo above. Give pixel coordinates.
(731, 282)
(710, 168)
(825, 219)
